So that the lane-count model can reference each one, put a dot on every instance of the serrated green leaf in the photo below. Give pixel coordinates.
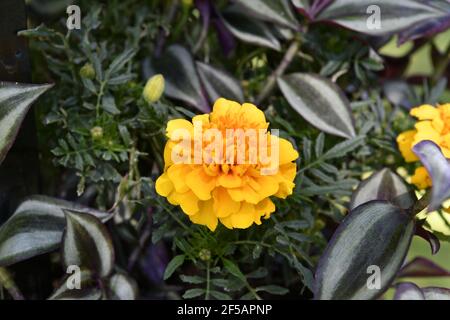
(173, 265)
(193, 293)
(220, 295)
(233, 269)
(192, 279)
(273, 289)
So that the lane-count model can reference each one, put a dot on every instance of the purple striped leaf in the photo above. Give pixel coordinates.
(422, 267)
(439, 169)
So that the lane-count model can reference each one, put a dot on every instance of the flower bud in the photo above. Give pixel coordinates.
(97, 133)
(87, 71)
(154, 88)
(204, 255)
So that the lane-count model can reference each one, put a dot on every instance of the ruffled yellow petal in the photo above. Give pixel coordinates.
(405, 143)
(178, 128)
(287, 151)
(268, 186)
(168, 154)
(421, 178)
(224, 205)
(425, 131)
(200, 183)
(425, 112)
(163, 185)
(245, 217)
(187, 201)
(253, 115)
(226, 222)
(264, 209)
(203, 118)
(224, 108)
(177, 174)
(244, 193)
(229, 180)
(205, 215)
(438, 124)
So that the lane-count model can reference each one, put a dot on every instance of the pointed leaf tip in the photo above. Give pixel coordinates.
(15, 101)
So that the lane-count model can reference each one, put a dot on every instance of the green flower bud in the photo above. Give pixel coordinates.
(97, 133)
(204, 255)
(87, 71)
(154, 88)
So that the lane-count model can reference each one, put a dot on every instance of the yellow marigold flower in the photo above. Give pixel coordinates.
(235, 193)
(434, 125)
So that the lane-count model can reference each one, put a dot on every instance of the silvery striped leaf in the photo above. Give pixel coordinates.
(439, 169)
(321, 102)
(36, 227)
(365, 253)
(87, 244)
(383, 185)
(87, 287)
(15, 101)
(382, 17)
(123, 287)
(276, 11)
(249, 30)
(219, 83)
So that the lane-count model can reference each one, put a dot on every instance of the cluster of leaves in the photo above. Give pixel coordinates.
(328, 90)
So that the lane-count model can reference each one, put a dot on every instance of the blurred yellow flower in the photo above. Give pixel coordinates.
(434, 125)
(233, 192)
(154, 88)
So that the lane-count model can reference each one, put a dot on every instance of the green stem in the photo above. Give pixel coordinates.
(252, 291)
(208, 280)
(8, 283)
(99, 98)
